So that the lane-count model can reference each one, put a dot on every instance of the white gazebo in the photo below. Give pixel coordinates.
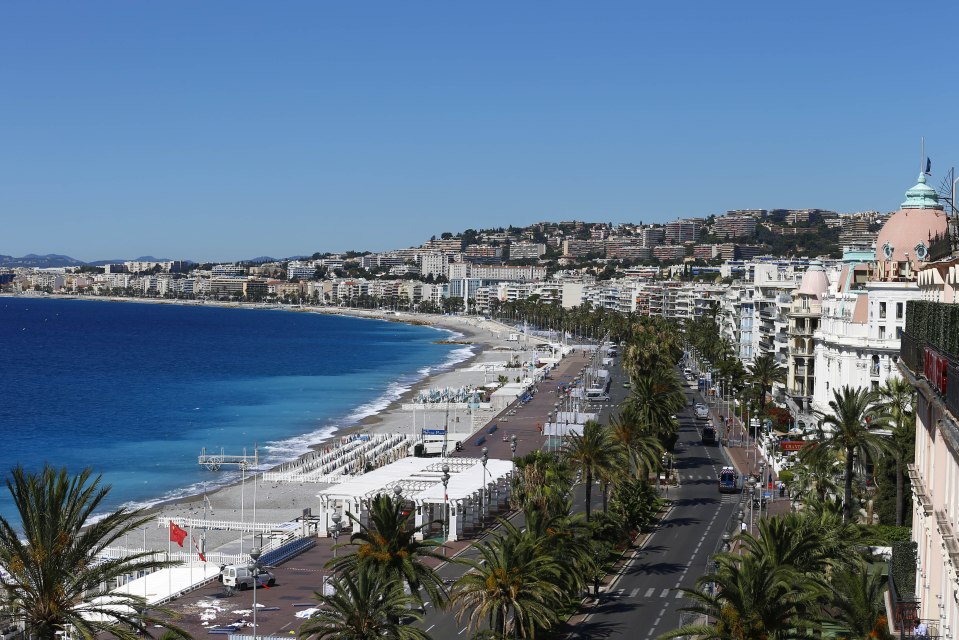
(472, 491)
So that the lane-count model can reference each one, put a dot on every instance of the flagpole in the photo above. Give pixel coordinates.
(169, 552)
(152, 557)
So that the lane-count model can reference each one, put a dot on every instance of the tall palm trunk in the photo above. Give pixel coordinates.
(589, 492)
(606, 497)
(847, 488)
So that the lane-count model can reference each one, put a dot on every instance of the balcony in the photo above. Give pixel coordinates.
(919, 488)
(929, 347)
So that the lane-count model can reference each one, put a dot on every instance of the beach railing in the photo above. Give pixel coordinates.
(218, 525)
(213, 557)
(315, 478)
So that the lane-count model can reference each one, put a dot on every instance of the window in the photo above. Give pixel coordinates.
(899, 310)
(882, 309)
(882, 333)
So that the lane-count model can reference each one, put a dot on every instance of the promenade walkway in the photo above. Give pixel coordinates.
(746, 457)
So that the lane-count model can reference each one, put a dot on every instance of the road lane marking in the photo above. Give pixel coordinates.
(679, 594)
(649, 592)
(632, 594)
(431, 626)
(663, 594)
(461, 631)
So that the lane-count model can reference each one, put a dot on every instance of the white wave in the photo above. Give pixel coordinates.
(289, 449)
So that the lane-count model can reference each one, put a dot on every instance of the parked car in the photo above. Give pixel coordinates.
(702, 411)
(242, 577)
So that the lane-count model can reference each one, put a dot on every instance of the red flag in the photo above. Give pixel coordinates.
(177, 534)
(197, 547)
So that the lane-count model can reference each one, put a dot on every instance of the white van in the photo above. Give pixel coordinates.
(597, 394)
(243, 578)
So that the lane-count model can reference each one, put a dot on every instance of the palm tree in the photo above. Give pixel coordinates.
(857, 604)
(593, 454)
(653, 402)
(643, 452)
(389, 543)
(365, 605)
(749, 598)
(815, 472)
(567, 537)
(53, 563)
(896, 399)
(540, 482)
(851, 435)
(764, 373)
(515, 578)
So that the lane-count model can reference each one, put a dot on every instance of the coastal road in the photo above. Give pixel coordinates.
(643, 601)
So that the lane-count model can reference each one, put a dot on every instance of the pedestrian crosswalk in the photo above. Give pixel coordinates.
(698, 476)
(658, 593)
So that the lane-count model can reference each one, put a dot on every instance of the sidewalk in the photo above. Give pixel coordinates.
(746, 459)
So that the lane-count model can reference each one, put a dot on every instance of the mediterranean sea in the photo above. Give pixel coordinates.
(135, 390)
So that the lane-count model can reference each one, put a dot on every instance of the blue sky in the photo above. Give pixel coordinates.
(227, 130)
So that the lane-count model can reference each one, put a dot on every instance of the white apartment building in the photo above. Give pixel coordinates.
(864, 311)
(434, 263)
(526, 251)
(300, 269)
(463, 270)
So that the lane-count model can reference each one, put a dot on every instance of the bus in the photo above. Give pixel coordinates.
(728, 480)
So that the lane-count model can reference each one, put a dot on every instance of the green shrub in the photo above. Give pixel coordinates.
(887, 535)
(904, 556)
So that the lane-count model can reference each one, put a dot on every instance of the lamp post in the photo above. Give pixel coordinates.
(549, 418)
(483, 499)
(335, 533)
(254, 556)
(446, 508)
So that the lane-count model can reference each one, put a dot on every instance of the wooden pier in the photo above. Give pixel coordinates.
(213, 461)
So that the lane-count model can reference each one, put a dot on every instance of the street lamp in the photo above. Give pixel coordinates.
(254, 556)
(335, 532)
(483, 499)
(446, 508)
(549, 419)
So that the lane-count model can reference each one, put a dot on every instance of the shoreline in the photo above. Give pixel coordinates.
(286, 501)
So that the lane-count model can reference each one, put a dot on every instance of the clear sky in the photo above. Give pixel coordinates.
(228, 130)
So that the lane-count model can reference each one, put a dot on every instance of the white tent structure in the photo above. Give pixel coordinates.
(472, 492)
(163, 585)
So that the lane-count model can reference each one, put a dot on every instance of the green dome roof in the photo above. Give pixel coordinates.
(922, 196)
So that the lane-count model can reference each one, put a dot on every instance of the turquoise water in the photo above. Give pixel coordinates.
(135, 390)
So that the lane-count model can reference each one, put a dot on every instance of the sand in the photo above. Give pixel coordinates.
(282, 502)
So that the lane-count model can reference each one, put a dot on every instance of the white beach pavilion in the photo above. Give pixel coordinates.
(471, 493)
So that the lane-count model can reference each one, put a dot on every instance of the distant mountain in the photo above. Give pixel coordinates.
(42, 262)
(259, 260)
(100, 263)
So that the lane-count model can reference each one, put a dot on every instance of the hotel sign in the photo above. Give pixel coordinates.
(792, 445)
